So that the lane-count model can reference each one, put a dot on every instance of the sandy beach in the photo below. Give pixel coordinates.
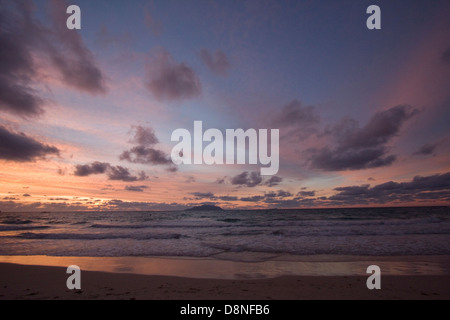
(44, 282)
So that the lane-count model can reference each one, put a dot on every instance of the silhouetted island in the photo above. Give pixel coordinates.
(205, 207)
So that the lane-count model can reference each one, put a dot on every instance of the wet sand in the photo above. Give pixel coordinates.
(45, 282)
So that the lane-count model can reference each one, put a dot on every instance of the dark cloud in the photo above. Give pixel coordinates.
(136, 188)
(306, 194)
(22, 37)
(426, 149)
(212, 196)
(360, 148)
(297, 121)
(221, 180)
(111, 205)
(203, 195)
(419, 189)
(144, 152)
(145, 155)
(26, 195)
(273, 181)
(218, 62)
(446, 56)
(430, 187)
(89, 169)
(275, 196)
(121, 173)
(249, 179)
(21, 148)
(70, 55)
(113, 172)
(170, 80)
(252, 199)
(144, 136)
(17, 68)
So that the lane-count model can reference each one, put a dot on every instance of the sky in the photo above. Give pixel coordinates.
(86, 116)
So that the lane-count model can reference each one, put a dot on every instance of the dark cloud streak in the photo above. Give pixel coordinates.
(356, 148)
(21, 148)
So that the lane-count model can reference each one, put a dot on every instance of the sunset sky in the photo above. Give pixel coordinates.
(86, 116)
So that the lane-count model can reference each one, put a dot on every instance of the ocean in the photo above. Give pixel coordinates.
(236, 235)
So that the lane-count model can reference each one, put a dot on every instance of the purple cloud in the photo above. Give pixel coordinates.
(426, 149)
(144, 152)
(249, 179)
(22, 36)
(21, 148)
(357, 148)
(298, 121)
(136, 188)
(170, 80)
(113, 172)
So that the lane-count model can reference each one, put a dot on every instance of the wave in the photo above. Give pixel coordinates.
(19, 228)
(97, 236)
(16, 221)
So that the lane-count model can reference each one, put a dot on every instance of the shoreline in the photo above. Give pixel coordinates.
(33, 282)
(273, 267)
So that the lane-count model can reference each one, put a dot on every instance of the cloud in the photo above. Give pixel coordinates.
(306, 194)
(360, 148)
(122, 174)
(420, 189)
(203, 195)
(279, 194)
(22, 38)
(144, 136)
(221, 180)
(212, 196)
(252, 199)
(113, 172)
(430, 187)
(93, 168)
(218, 62)
(426, 149)
(17, 68)
(249, 179)
(70, 55)
(26, 195)
(110, 205)
(145, 155)
(273, 181)
(297, 120)
(144, 152)
(21, 148)
(170, 80)
(136, 188)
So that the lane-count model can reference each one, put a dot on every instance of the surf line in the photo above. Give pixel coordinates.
(233, 151)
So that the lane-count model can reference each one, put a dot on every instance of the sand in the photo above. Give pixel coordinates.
(44, 282)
